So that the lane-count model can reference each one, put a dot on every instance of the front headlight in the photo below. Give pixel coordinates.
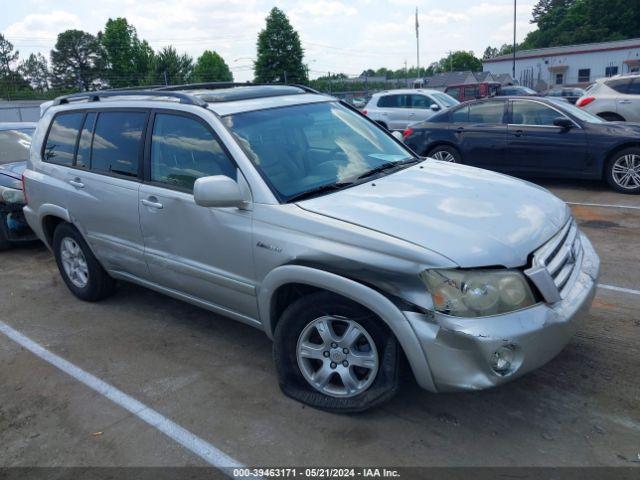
(477, 293)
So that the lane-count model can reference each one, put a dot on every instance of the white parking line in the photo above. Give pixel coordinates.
(190, 441)
(603, 205)
(619, 289)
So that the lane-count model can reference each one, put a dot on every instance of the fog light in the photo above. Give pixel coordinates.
(502, 359)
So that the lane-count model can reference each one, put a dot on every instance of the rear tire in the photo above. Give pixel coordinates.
(446, 153)
(611, 117)
(622, 171)
(79, 268)
(320, 370)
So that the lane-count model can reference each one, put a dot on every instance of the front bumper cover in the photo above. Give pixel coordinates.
(459, 350)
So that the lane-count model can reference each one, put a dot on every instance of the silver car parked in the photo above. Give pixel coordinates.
(293, 213)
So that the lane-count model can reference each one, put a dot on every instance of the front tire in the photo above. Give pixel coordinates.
(334, 355)
(79, 268)
(622, 171)
(445, 153)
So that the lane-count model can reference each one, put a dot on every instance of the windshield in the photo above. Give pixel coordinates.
(307, 147)
(577, 112)
(14, 145)
(446, 100)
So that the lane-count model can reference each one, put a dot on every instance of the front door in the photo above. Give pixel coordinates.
(536, 145)
(202, 252)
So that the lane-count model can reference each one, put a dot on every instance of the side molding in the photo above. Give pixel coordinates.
(365, 296)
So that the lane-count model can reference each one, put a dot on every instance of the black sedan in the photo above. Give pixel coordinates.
(15, 141)
(532, 137)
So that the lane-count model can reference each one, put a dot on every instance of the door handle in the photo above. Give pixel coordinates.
(412, 114)
(519, 133)
(460, 130)
(152, 202)
(624, 102)
(76, 182)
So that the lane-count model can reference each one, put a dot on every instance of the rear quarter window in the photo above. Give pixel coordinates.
(61, 140)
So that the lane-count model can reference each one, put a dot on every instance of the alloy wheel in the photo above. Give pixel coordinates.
(626, 172)
(74, 262)
(444, 156)
(337, 356)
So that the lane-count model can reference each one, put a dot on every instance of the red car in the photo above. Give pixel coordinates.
(473, 91)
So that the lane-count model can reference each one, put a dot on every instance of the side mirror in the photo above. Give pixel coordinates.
(563, 122)
(435, 107)
(217, 191)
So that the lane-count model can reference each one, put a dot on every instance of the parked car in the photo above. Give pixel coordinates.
(571, 94)
(516, 90)
(359, 102)
(538, 137)
(616, 99)
(473, 91)
(396, 109)
(292, 212)
(15, 141)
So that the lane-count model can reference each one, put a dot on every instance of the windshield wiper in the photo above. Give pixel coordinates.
(332, 187)
(387, 166)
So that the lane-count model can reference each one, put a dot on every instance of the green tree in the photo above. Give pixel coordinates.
(211, 67)
(76, 60)
(171, 68)
(280, 53)
(7, 56)
(457, 61)
(35, 70)
(128, 61)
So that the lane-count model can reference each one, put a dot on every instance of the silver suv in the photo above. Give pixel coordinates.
(292, 212)
(397, 109)
(616, 99)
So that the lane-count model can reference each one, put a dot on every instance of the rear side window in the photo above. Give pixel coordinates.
(620, 85)
(117, 143)
(183, 150)
(393, 101)
(61, 141)
(461, 115)
(454, 92)
(486, 112)
(471, 92)
(84, 145)
(634, 88)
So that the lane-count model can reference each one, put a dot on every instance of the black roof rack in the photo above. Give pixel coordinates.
(176, 91)
(97, 95)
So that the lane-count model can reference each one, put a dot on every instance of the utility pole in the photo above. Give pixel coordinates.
(165, 77)
(417, 42)
(514, 39)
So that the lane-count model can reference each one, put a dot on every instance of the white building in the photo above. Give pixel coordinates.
(573, 65)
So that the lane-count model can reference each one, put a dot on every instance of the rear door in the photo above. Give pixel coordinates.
(202, 252)
(103, 186)
(394, 110)
(482, 133)
(536, 145)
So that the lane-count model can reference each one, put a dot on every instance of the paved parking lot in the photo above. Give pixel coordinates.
(216, 379)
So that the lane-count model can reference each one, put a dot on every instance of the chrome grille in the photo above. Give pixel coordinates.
(556, 263)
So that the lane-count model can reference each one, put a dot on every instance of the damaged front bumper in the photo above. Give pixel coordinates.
(13, 224)
(462, 352)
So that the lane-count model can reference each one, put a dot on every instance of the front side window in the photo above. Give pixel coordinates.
(14, 145)
(117, 143)
(183, 150)
(302, 148)
(446, 99)
(421, 101)
(532, 113)
(486, 112)
(61, 141)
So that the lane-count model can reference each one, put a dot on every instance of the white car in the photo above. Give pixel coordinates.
(616, 99)
(397, 109)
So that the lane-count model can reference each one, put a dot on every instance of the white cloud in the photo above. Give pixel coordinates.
(324, 8)
(42, 28)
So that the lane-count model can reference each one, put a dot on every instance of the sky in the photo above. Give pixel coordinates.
(345, 36)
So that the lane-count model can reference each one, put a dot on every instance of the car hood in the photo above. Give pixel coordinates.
(14, 169)
(474, 217)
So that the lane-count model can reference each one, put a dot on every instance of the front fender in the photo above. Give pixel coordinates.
(363, 295)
